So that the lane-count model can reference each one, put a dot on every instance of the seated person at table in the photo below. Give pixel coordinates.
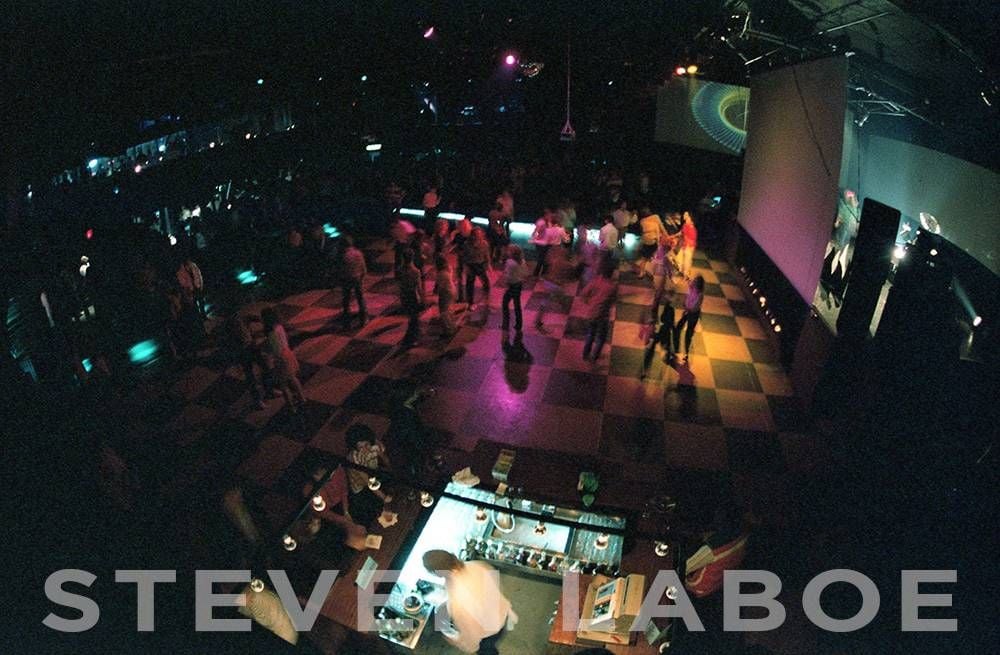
(335, 494)
(364, 449)
(478, 612)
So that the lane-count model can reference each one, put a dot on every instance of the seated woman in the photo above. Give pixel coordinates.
(365, 450)
(335, 494)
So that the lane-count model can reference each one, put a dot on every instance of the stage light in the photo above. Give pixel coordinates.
(89, 234)
(92, 163)
(611, 82)
(138, 168)
(429, 32)
(260, 81)
(680, 70)
(692, 69)
(934, 252)
(977, 321)
(510, 60)
(143, 351)
(899, 252)
(373, 147)
(115, 190)
(319, 79)
(247, 136)
(212, 144)
(247, 277)
(161, 148)
(364, 78)
(777, 328)
(172, 239)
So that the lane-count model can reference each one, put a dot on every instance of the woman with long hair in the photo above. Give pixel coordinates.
(692, 312)
(284, 363)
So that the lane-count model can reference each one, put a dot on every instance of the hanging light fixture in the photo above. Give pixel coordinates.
(567, 133)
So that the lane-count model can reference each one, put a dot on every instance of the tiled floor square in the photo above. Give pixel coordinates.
(696, 371)
(787, 414)
(463, 373)
(733, 292)
(194, 382)
(543, 348)
(372, 396)
(312, 320)
(750, 328)
(576, 328)
(719, 324)
(693, 446)
(298, 475)
(713, 290)
(360, 355)
(627, 334)
(715, 305)
(738, 376)
(304, 423)
(448, 408)
(575, 389)
(287, 312)
(223, 392)
(631, 439)
(510, 378)
(726, 278)
(627, 396)
(565, 429)
(742, 308)
(745, 410)
(686, 404)
(761, 352)
(332, 386)
(306, 298)
(274, 454)
(627, 363)
(724, 346)
(754, 451)
(504, 419)
(773, 380)
(631, 313)
(560, 304)
(635, 295)
(320, 349)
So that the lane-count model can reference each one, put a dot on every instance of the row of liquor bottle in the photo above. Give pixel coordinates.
(500, 551)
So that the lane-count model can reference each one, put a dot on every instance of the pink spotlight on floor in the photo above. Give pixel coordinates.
(429, 32)
(510, 60)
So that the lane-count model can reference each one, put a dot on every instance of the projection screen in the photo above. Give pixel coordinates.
(791, 170)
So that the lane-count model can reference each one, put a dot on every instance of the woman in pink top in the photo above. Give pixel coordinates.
(286, 366)
(692, 312)
(690, 233)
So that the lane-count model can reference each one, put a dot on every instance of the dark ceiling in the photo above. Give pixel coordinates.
(81, 75)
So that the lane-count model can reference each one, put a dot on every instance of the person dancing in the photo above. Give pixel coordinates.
(689, 319)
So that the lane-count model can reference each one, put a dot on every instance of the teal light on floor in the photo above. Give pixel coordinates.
(88, 366)
(143, 352)
(247, 277)
(331, 231)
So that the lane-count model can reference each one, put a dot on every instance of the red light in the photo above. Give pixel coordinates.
(510, 60)
(680, 70)
(89, 234)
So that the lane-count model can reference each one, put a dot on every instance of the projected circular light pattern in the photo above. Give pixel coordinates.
(720, 110)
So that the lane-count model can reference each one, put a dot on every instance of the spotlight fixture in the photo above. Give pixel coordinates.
(374, 483)
(318, 503)
(977, 321)
(429, 32)
(257, 585)
(426, 499)
(692, 69)
(680, 70)
(172, 239)
(763, 300)
(510, 60)
(777, 328)
(364, 78)
(290, 544)
(137, 169)
(260, 81)
(211, 144)
(899, 252)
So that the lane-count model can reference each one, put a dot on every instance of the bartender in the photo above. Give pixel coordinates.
(478, 611)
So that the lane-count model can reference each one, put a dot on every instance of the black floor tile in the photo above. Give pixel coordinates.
(761, 352)
(787, 413)
(372, 396)
(575, 389)
(719, 324)
(691, 404)
(737, 376)
(627, 362)
(576, 328)
(462, 374)
(223, 392)
(302, 426)
(557, 305)
(754, 451)
(742, 308)
(631, 313)
(715, 290)
(727, 278)
(360, 355)
(631, 439)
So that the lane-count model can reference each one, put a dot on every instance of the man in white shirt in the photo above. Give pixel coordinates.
(477, 609)
(608, 236)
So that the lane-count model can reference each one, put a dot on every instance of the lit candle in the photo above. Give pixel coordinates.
(602, 541)
(426, 499)
(373, 483)
(290, 544)
(318, 503)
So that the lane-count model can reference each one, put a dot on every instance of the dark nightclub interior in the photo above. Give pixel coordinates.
(623, 303)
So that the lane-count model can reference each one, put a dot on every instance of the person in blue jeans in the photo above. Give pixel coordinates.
(600, 295)
(514, 274)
